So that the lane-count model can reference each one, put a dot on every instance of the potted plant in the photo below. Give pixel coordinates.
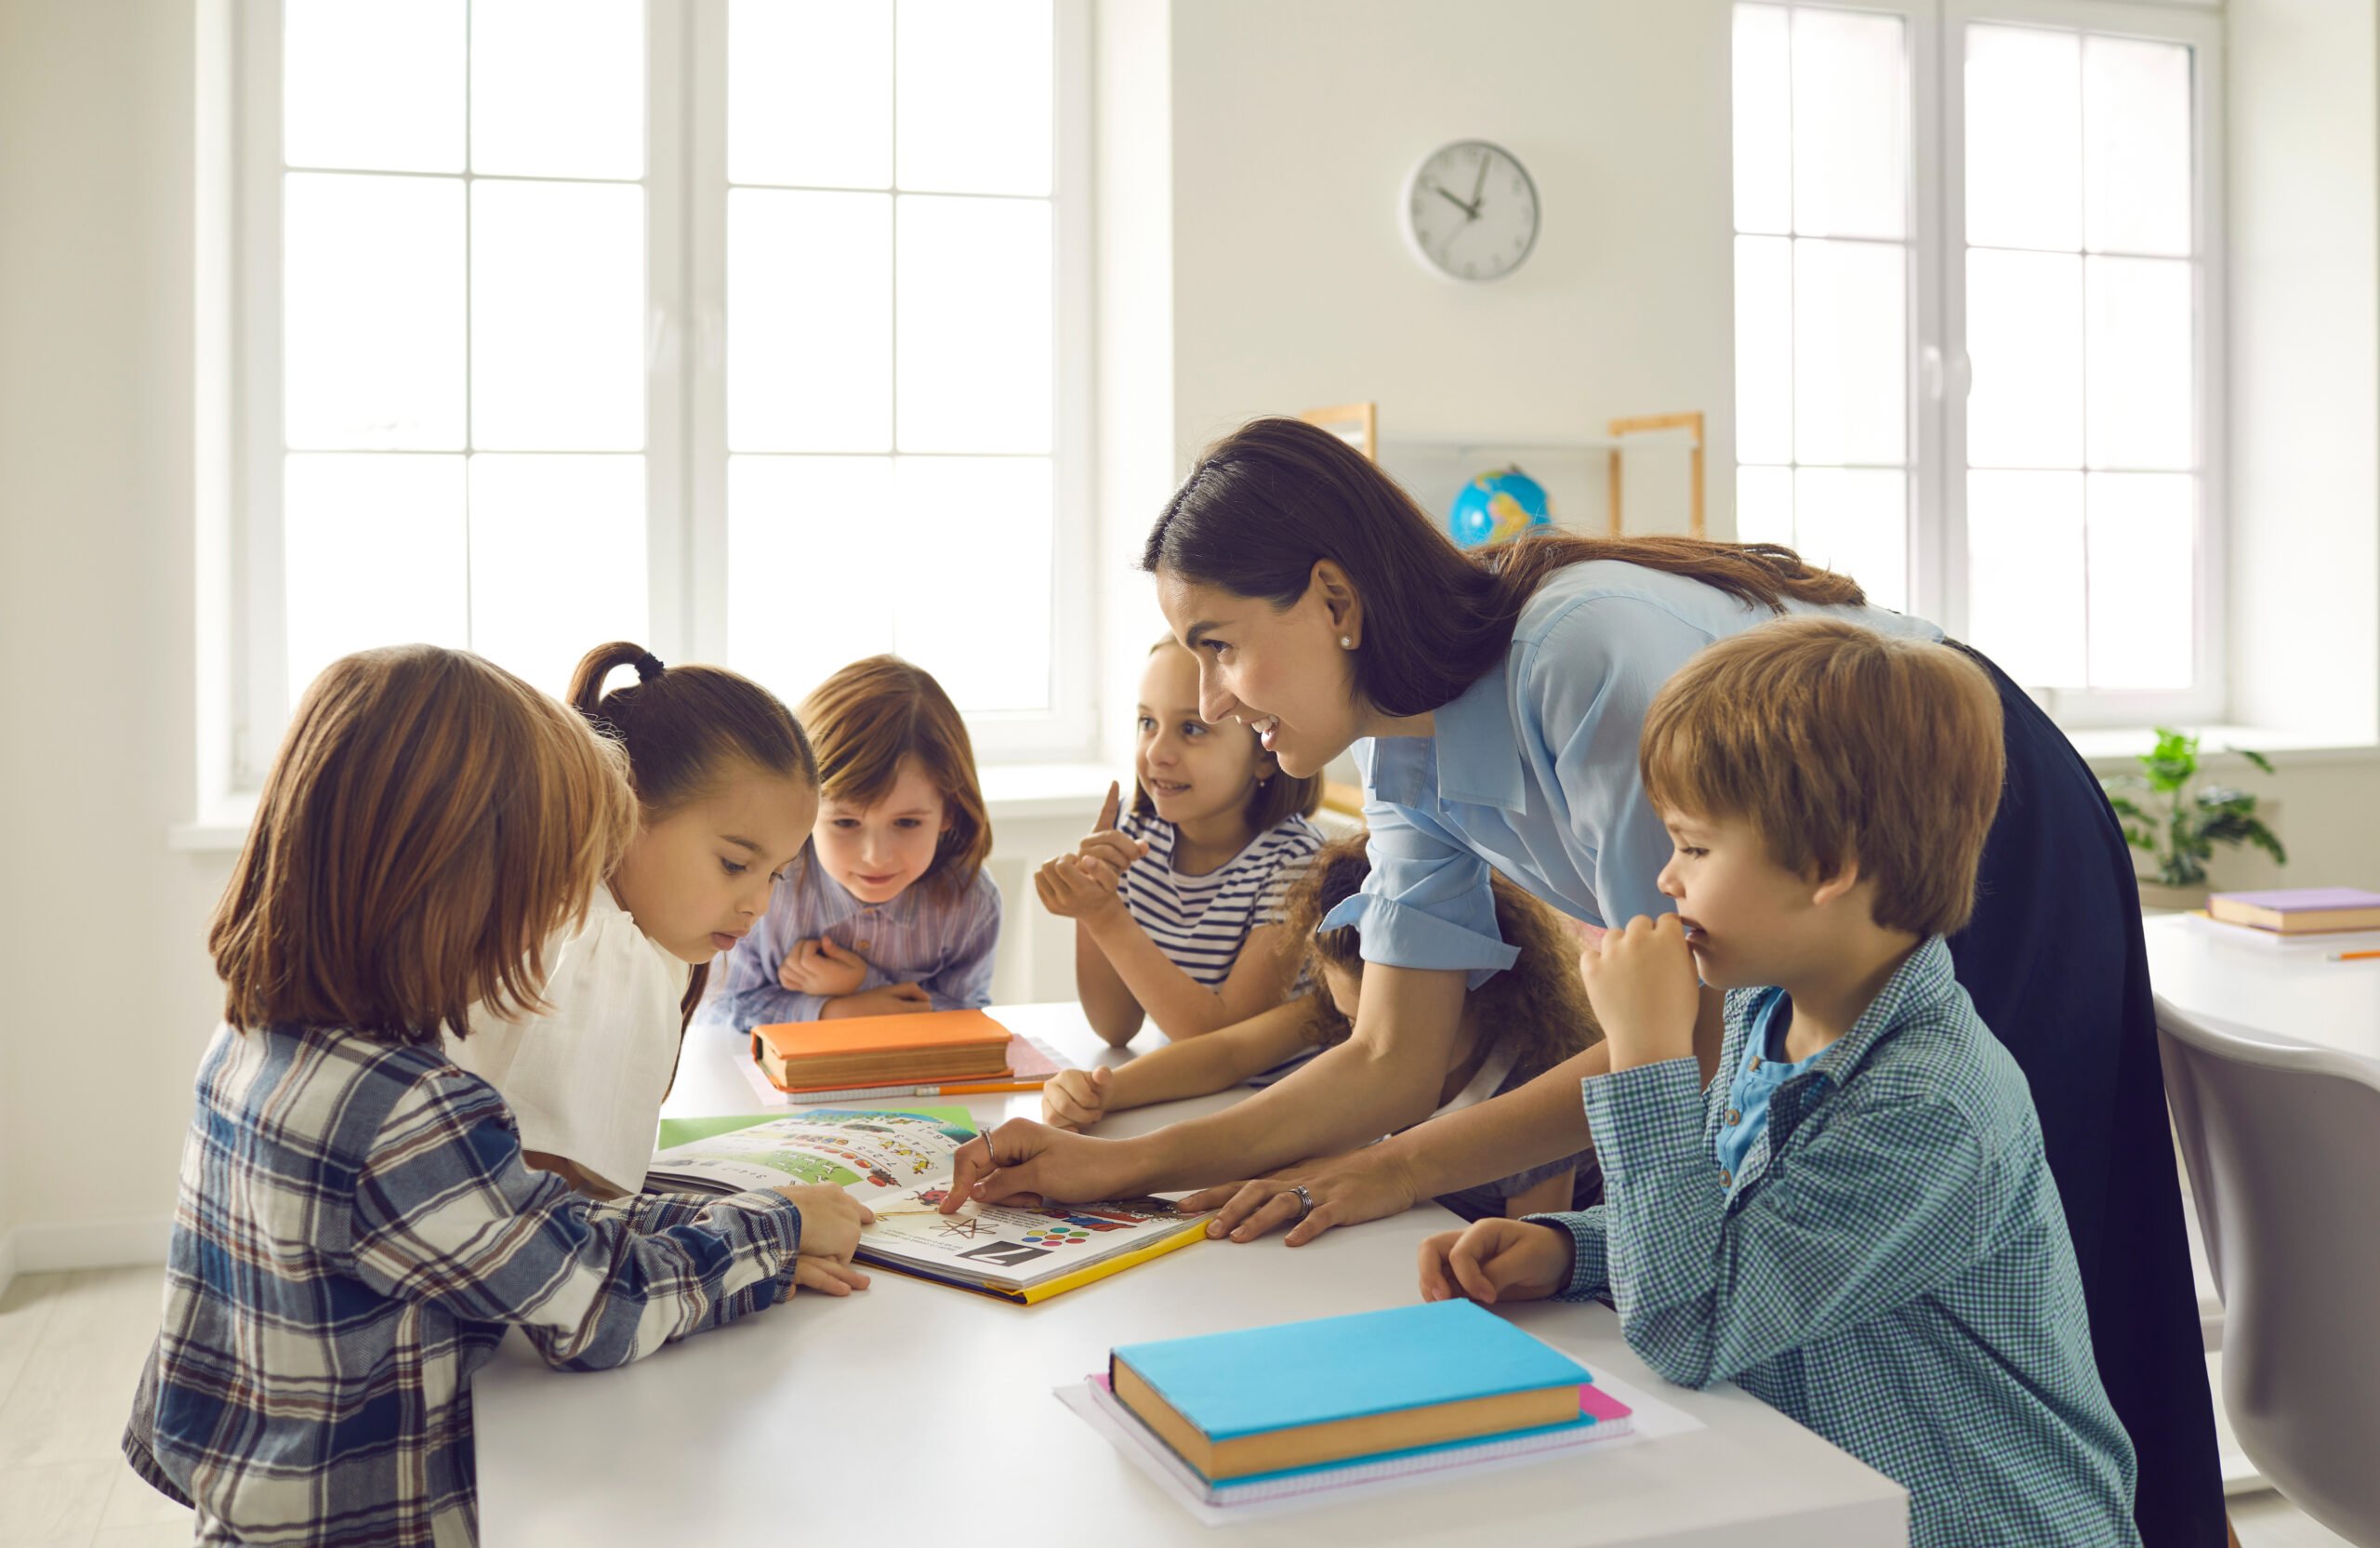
(2180, 825)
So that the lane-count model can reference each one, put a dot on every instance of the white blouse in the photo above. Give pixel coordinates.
(585, 1080)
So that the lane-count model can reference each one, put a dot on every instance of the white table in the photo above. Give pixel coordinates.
(913, 1413)
(2268, 983)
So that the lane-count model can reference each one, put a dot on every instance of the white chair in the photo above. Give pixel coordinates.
(2282, 1144)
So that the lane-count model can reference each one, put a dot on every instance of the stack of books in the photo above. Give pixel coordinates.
(1300, 1407)
(932, 1054)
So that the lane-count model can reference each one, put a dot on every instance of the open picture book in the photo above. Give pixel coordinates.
(899, 1163)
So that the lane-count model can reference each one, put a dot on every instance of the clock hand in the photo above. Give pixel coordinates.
(1470, 212)
(1479, 183)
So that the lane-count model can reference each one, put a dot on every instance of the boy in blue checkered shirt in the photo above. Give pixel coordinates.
(1854, 1220)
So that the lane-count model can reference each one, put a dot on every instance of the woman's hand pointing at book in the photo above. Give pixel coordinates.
(1022, 1159)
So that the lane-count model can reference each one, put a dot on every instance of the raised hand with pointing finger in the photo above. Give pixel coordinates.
(1090, 881)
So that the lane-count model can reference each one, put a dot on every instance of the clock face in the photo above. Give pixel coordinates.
(1471, 211)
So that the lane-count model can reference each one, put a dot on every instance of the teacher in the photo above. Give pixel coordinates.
(1494, 702)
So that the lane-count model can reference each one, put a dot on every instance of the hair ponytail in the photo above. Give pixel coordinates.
(1271, 498)
(686, 729)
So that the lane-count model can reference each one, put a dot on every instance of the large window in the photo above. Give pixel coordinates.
(1975, 317)
(750, 329)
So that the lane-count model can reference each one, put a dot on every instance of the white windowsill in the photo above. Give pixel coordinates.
(1015, 792)
(2114, 749)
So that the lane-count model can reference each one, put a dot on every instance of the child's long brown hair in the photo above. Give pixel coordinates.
(429, 822)
(1537, 1006)
(873, 714)
(1275, 797)
(685, 729)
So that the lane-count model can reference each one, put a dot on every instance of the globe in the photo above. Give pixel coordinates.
(1497, 505)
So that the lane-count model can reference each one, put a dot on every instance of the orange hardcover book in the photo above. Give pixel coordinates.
(932, 1045)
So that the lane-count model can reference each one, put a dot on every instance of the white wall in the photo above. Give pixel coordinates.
(2305, 364)
(1294, 129)
(109, 995)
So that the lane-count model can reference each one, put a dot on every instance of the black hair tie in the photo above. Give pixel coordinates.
(648, 667)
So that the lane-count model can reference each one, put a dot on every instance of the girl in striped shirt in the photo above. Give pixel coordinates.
(1177, 909)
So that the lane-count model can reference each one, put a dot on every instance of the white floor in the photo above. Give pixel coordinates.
(71, 1347)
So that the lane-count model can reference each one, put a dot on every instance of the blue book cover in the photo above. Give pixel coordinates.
(1259, 1380)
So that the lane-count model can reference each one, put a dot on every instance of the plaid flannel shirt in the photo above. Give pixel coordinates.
(1890, 1268)
(355, 1231)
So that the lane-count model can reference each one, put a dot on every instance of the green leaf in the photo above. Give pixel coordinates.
(2259, 760)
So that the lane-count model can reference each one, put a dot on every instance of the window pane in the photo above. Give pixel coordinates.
(557, 308)
(975, 341)
(975, 98)
(374, 84)
(1849, 174)
(987, 524)
(2140, 362)
(1856, 521)
(372, 554)
(372, 311)
(1764, 349)
(2137, 150)
(2025, 569)
(809, 320)
(2024, 338)
(808, 577)
(2024, 148)
(2144, 602)
(558, 88)
(1764, 107)
(558, 561)
(1850, 352)
(1765, 505)
(809, 92)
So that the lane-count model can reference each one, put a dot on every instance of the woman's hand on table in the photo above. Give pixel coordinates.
(1496, 1259)
(1371, 1184)
(1075, 1099)
(1025, 1160)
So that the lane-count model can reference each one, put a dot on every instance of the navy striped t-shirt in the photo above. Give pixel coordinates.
(1201, 921)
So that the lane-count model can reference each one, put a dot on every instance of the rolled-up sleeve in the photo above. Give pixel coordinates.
(1426, 903)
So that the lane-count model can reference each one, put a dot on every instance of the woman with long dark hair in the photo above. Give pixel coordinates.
(1494, 702)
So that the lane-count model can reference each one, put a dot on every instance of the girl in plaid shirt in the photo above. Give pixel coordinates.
(356, 1227)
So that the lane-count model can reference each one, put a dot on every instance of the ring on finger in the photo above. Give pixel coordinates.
(1305, 1199)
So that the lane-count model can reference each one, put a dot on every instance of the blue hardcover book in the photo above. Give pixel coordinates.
(1298, 1393)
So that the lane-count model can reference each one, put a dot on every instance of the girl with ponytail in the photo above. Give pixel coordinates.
(726, 789)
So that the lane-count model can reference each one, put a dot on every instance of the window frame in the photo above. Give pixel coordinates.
(685, 387)
(1937, 365)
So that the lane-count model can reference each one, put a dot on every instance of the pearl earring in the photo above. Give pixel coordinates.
(1345, 643)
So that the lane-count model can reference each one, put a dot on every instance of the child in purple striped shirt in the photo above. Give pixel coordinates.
(888, 910)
